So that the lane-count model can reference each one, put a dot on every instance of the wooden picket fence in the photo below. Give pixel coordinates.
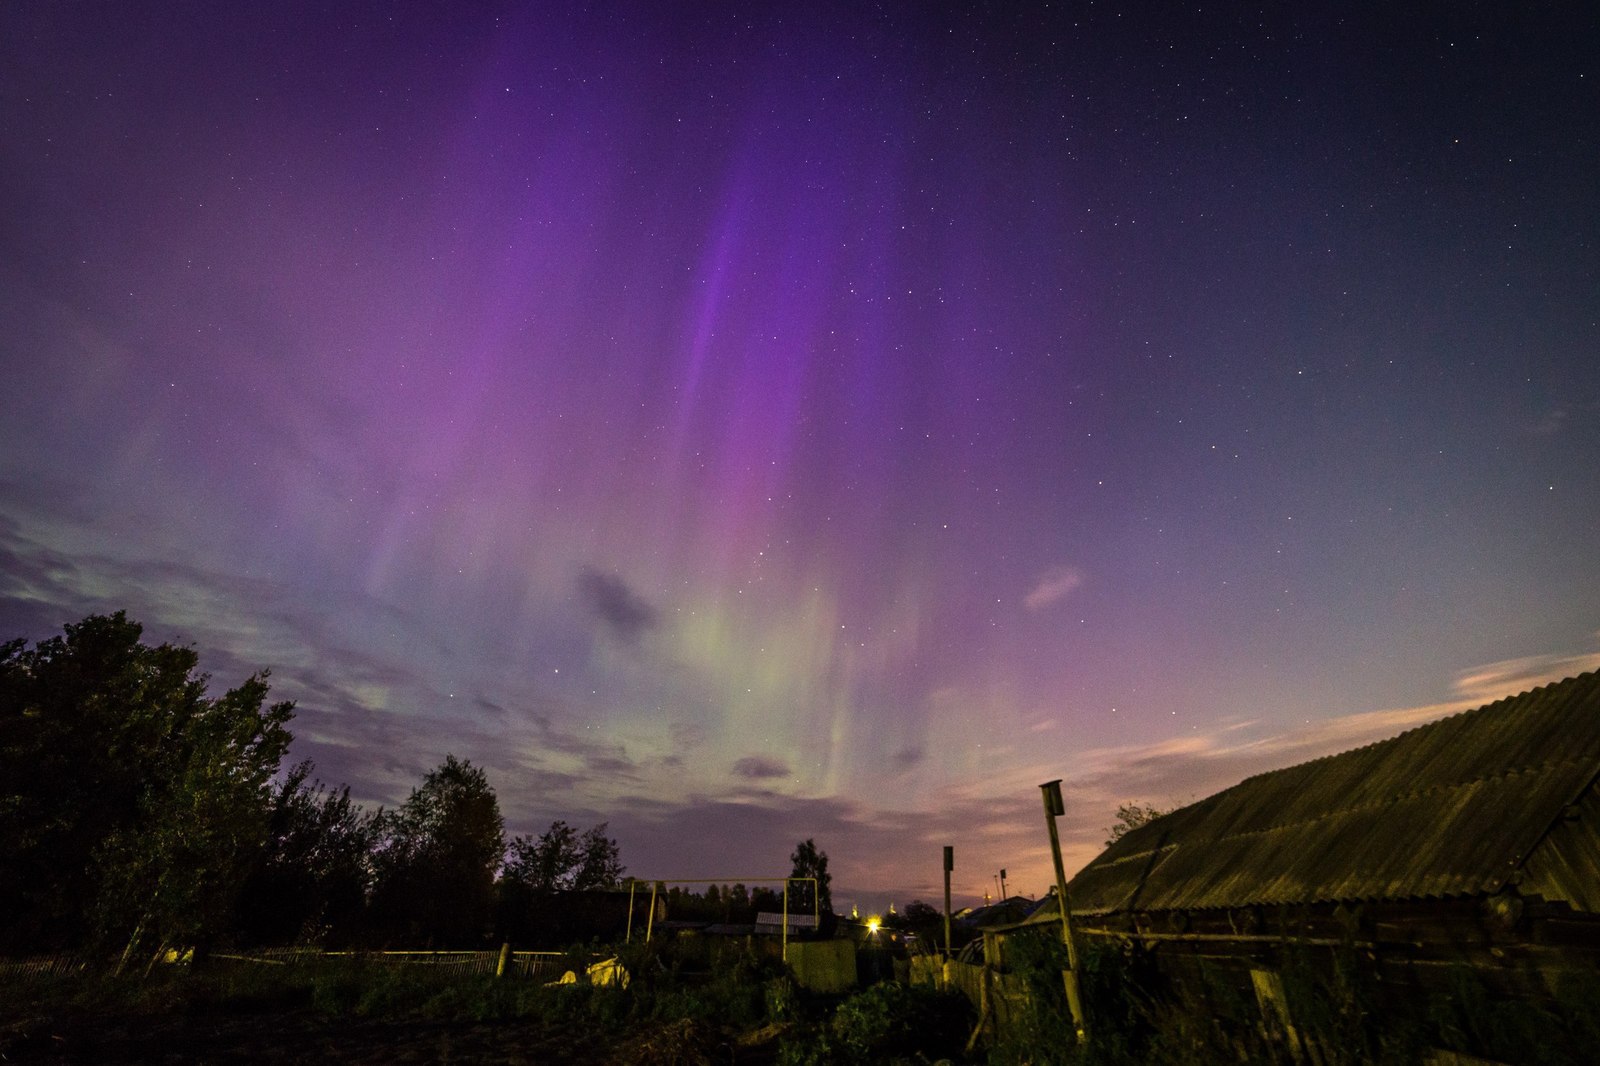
(546, 966)
(43, 965)
(534, 965)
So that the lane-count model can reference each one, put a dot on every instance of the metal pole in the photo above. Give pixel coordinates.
(949, 864)
(1003, 895)
(786, 921)
(628, 938)
(1054, 806)
(650, 925)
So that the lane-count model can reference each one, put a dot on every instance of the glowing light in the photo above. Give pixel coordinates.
(873, 922)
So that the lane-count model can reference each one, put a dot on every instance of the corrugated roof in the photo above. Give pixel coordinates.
(1447, 809)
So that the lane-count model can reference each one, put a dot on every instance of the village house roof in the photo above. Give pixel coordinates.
(1504, 795)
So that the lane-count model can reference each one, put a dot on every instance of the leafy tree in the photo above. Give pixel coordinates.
(769, 901)
(437, 857)
(738, 903)
(561, 860)
(545, 864)
(1131, 816)
(311, 883)
(130, 802)
(599, 860)
(920, 915)
(175, 869)
(810, 862)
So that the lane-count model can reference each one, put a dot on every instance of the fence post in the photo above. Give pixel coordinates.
(505, 956)
(1053, 806)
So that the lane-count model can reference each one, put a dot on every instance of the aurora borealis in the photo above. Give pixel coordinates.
(744, 423)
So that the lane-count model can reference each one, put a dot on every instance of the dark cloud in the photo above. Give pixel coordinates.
(626, 614)
(759, 767)
(908, 758)
(611, 765)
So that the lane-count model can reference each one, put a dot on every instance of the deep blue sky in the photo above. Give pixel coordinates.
(746, 424)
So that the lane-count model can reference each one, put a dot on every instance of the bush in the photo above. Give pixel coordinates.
(886, 1023)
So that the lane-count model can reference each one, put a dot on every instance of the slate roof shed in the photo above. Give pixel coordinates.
(1501, 797)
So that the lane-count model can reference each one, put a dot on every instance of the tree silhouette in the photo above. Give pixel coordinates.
(810, 862)
(132, 805)
(437, 859)
(311, 883)
(1131, 816)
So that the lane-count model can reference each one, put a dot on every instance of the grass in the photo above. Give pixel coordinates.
(746, 1010)
(680, 1008)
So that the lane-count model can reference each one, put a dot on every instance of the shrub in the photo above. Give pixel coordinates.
(886, 1023)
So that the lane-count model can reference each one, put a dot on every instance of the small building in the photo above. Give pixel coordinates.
(1007, 911)
(1468, 844)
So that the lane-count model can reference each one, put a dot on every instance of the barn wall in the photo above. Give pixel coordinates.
(1566, 866)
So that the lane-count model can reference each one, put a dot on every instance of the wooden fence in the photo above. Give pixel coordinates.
(531, 965)
(537, 965)
(64, 965)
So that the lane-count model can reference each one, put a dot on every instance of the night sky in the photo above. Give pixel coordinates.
(745, 424)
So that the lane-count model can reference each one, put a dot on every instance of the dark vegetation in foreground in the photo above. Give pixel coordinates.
(1199, 1011)
(355, 1010)
(748, 1009)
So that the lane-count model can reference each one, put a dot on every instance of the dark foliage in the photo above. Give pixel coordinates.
(132, 805)
(887, 1023)
(810, 862)
(311, 884)
(436, 861)
(562, 860)
(137, 810)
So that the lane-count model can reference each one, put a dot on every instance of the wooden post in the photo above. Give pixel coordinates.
(949, 864)
(1276, 1023)
(1054, 806)
(505, 956)
(650, 925)
(628, 937)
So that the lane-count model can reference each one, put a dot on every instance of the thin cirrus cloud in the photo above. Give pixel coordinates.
(1055, 585)
(1511, 676)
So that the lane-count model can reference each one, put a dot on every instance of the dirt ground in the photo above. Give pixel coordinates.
(306, 1037)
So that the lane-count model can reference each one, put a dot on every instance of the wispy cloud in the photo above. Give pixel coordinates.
(1053, 586)
(1551, 422)
(375, 719)
(1508, 677)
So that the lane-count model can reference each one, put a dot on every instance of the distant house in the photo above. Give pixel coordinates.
(1472, 842)
(1005, 912)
